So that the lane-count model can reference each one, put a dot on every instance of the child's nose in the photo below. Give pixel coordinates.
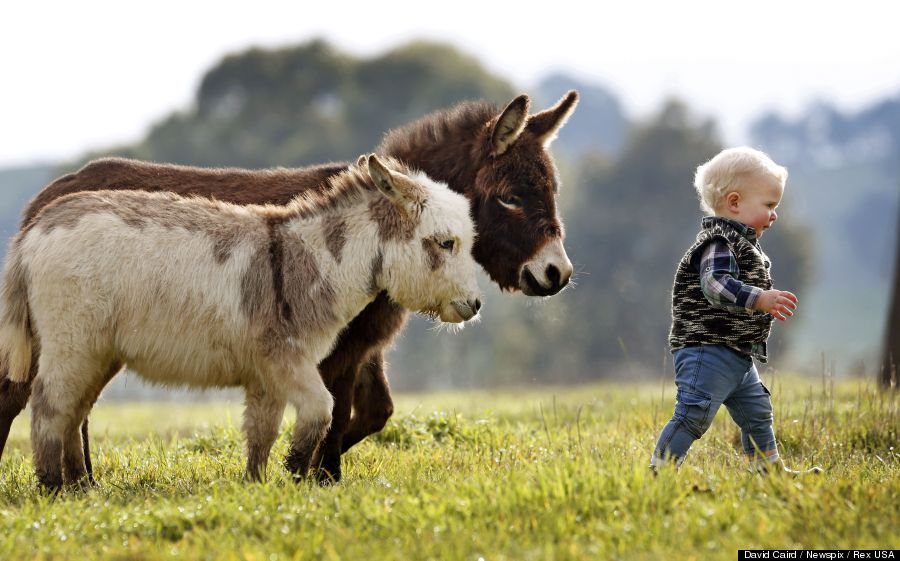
(774, 216)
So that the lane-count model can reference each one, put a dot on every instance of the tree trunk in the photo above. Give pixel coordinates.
(891, 357)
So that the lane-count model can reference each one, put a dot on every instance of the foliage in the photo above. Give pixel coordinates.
(639, 216)
(546, 474)
(311, 103)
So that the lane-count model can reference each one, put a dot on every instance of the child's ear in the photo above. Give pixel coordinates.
(732, 200)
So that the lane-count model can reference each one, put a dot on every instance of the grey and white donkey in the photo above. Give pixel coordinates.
(210, 294)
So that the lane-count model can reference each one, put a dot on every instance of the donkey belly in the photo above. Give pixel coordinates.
(210, 372)
(177, 316)
(191, 352)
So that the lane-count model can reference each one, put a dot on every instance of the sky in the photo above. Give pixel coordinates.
(85, 75)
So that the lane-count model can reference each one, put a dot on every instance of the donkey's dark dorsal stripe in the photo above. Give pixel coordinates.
(235, 185)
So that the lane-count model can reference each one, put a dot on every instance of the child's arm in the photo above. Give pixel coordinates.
(718, 271)
(718, 279)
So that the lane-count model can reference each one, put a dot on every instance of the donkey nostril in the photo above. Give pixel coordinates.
(476, 305)
(553, 275)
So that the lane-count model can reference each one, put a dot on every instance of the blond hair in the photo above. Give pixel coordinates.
(728, 170)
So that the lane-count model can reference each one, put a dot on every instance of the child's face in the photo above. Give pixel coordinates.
(754, 204)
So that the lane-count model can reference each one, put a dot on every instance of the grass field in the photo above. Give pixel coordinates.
(559, 473)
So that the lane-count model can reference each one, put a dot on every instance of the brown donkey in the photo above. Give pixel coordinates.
(498, 159)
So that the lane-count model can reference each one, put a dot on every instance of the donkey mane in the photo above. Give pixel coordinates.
(425, 140)
(343, 190)
(234, 185)
(466, 116)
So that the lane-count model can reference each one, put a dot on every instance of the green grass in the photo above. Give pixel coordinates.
(550, 474)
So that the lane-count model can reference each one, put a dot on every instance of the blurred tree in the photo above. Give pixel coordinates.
(639, 216)
(311, 104)
(408, 82)
(891, 353)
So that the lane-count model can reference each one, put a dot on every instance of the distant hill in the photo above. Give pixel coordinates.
(599, 124)
(823, 137)
(17, 186)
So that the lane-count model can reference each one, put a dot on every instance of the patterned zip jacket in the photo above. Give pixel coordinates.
(715, 290)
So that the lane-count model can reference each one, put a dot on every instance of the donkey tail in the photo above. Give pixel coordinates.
(15, 319)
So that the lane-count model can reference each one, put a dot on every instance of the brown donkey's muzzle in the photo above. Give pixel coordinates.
(547, 272)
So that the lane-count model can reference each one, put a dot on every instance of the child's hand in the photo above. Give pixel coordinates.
(780, 303)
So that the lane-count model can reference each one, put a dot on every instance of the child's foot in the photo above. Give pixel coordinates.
(779, 468)
(815, 470)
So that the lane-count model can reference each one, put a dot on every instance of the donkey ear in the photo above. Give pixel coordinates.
(544, 125)
(509, 125)
(382, 177)
(393, 185)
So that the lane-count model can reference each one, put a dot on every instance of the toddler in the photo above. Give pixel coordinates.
(723, 304)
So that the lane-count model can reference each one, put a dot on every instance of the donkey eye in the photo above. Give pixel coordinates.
(448, 244)
(510, 201)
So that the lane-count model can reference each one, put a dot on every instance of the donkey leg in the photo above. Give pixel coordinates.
(47, 433)
(92, 395)
(328, 455)
(262, 416)
(369, 332)
(86, 448)
(14, 396)
(307, 393)
(60, 399)
(73, 459)
(339, 371)
(372, 402)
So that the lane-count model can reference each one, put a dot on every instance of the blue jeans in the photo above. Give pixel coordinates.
(706, 377)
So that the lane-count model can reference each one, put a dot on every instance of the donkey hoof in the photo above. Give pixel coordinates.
(48, 489)
(328, 476)
(88, 483)
(81, 486)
